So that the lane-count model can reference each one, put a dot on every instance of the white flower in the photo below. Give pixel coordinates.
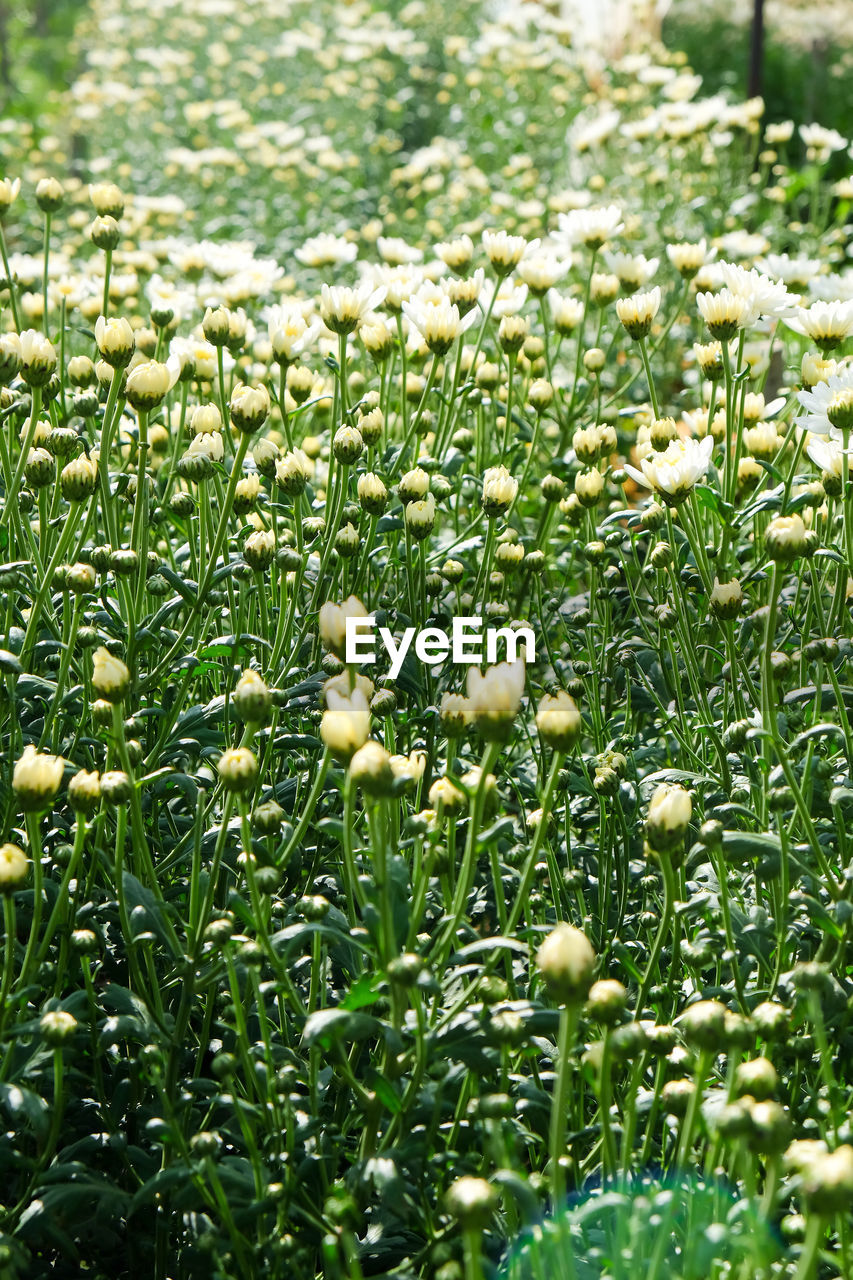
(592, 227)
(762, 296)
(687, 258)
(638, 312)
(541, 271)
(396, 251)
(674, 472)
(438, 321)
(346, 722)
(326, 250)
(827, 454)
(723, 312)
(826, 323)
(817, 401)
(333, 622)
(499, 490)
(342, 309)
(505, 251)
(494, 698)
(822, 140)
(290, 333)
(508, 298)
(633, 269)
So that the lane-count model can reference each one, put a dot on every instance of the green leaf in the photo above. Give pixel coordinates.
(145, 911)
(384, 1091)
(19, 1102)
(339, 1026)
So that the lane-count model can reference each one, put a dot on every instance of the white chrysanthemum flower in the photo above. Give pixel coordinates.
(821, 140)
(290, 333)
(505, 251)
(638, 312)
(396, 252)
(509, 298)
(566, 313)
(438, 321)
(592, 227)
(827, 454)
(541, 271)
(633, 269)
(342, 309)
(494, 698)
(822, 400)
(763, 296)
(326, 250)
(826, 323)
(673, 473)
(724, 312)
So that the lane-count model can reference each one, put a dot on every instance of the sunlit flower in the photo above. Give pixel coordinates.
(674, 473)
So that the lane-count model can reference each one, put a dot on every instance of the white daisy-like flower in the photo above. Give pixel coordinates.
(396, 252)
(290, 333)
(674, 473)
(826, 323)
(326, 250)
(820, 139)
(827, 454)
(763, 296)
(342, 309)
(505, 251)
(438, 322)
(509, 300)
(592, 227)
(823, 400)
(541, 271)
(633, 269)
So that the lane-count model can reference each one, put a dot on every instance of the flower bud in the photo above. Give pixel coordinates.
(420, 517)
(252, 698)
(49, 195)
(347, 445)
(107, 199)
(265, 455)
(84, 792)
(56, 1027)
(38, 358)
(726, 599)
(36, 778)
(259, 550)
(115, 340)
(499, 491)
(413, 486)
(250, 407)
(703, 1024)
(472, 1201)
(110, 677)
(148, 383)
(559, 721)
(14, 868)
(216, 325)
(238, 770)
(346, 723)
(607, 1001)
(566, 961)
(589, 486)
(370, 768)
(104, 233)
(668, 818)
(10, 358)
(785, 538)
(372, 493)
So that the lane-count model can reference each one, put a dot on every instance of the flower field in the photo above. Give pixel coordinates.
(426, 572)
